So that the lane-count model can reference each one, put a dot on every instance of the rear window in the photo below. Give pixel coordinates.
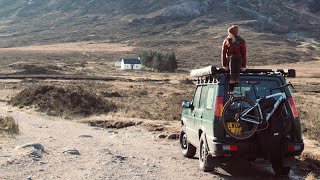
(262, 88)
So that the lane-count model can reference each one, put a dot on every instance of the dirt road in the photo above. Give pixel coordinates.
(130, 153)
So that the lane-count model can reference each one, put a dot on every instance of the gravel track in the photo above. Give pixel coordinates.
(129, 153)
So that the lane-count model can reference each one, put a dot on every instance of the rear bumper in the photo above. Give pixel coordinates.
(251, 150)
(221, 149)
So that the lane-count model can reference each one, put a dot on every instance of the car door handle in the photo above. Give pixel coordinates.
(201, 116)
(193, 114)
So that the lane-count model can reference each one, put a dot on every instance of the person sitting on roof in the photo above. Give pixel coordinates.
(233, 54)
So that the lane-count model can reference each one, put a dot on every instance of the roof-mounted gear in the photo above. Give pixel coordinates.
(212, 71)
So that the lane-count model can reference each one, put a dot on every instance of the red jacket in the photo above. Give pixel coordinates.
(229, 48)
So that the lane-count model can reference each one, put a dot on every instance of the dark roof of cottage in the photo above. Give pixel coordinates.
(131, 61)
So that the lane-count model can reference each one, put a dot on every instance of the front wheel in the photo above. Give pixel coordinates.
(187, 149)
(204, 155)
(237, 113)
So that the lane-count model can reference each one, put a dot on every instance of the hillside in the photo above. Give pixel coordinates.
(276, 32)
(58, 66)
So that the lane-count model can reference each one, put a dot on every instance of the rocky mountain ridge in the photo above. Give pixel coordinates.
(177, 22)
(273, 16)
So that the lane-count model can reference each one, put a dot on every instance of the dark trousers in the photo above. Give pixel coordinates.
(234, 63)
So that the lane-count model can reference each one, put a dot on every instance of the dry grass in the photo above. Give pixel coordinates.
(112, 124)
(57, 100)
(162, 126)
(157, 100)
(8, 126)
(307, 96)
(150, 95)
(309, 114)
(311, 176)
(309, 163)
(84, 47)
(146, 95)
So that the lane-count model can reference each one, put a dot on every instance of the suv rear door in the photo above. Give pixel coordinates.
(263, 86)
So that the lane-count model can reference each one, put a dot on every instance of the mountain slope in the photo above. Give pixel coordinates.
(192, 28)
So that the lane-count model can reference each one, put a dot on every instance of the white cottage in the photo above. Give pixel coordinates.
(134, 64)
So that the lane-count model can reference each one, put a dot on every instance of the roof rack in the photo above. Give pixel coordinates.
(212, 70)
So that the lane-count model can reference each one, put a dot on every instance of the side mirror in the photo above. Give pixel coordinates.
(186, 104)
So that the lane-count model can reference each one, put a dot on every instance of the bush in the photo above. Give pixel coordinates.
(159, 61)
(56, 101)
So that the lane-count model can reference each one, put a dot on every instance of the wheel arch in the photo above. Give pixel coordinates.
(200, 133)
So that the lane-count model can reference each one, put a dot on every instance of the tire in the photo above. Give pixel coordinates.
(204, 155)
(279, 169)
(231, 114)
(187, 149)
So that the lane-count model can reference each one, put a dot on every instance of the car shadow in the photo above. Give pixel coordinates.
(235, 168)
(308, 164)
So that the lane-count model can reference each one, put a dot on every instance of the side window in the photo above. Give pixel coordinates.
(210, 96)
(203, 96)
(196, 99)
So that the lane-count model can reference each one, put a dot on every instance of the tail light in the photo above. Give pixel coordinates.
(293, 108)
(230, 147)
(296, 147)
(219, 106)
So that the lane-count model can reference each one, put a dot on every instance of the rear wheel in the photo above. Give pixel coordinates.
(235, 111)
(187, 149)
(279, 169)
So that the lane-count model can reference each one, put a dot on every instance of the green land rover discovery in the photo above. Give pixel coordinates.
(277, 140)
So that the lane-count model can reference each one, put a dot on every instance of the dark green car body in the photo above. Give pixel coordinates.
(203, 118)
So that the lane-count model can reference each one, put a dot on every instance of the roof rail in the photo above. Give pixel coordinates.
(212, 70)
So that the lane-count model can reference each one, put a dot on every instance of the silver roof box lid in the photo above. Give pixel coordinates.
(206, 71)
(212, 70)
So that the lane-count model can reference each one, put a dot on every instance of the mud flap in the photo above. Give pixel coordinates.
(211, 162)
(271, 146)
